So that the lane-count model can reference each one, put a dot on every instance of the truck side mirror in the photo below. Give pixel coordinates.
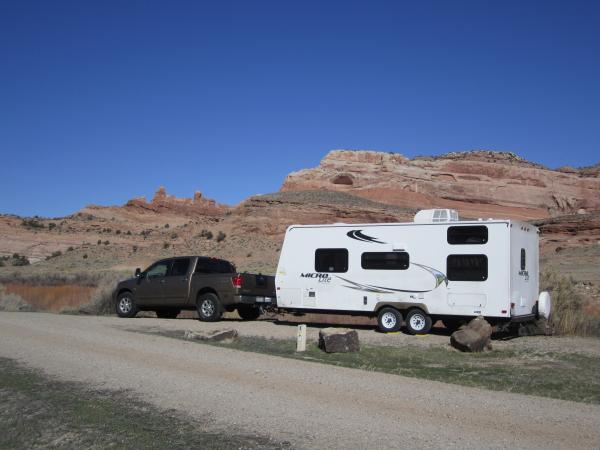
(138, 272)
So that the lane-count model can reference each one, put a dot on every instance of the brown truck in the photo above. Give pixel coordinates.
(209, 285)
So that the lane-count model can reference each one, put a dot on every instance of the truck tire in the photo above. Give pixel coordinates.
(167, 313)
(248, 312)
(417, 322)
(389, 320)
(126, 306)
(209, 307)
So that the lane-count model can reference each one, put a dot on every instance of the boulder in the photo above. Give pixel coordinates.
(338, 340)
(473, 337)
(214, 336)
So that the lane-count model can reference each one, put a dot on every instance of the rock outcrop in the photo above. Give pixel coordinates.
(478, 183)
(165, 203)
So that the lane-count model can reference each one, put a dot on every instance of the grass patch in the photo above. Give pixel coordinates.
(41, 412)
(546, 374)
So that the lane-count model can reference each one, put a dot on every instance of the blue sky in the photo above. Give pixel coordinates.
(103, 101)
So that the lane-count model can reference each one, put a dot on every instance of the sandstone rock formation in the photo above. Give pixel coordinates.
(162, 202)
(479, 183)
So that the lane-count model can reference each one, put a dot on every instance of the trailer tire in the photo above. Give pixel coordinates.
(126, 306)
(209, 307)
(248, 312)
(417, 322)
(167, 313)
(389, 320)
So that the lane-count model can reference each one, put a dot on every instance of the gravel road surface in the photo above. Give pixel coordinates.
(307, 404)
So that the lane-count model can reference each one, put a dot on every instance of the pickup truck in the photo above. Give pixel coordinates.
(209, 285)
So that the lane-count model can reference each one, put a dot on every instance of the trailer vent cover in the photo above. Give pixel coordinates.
(436, 216)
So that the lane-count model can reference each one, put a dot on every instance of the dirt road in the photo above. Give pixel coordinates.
(304, 403)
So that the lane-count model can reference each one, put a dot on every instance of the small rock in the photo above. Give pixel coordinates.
(214, 336)
(338, 340)
(473, 337)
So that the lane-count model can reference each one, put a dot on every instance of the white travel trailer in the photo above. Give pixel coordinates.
(436, 267)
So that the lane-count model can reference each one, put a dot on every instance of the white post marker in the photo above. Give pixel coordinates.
(301, 339)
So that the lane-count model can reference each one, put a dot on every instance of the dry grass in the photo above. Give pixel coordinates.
(51, 298)
(568, 315)
(84, 293)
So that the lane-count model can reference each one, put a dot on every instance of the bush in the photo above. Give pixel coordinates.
(166, 225)
(134, 248)
(85, 256)
(166, 245)
(20, 261)
(54, 254)
(567, 316)
(206, 234)
(70, 249)
(221, 236)
(118, 232)
(128, 233)
(106, 242)
(174, 236)
(99, 241)
(32, 223)
(51, 226)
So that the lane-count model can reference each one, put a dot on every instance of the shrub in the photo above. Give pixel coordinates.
(206, 234)
(106, 242)
(118, 232)
(134, 248)
(221, 236)
(166, 245)
(32, 223)
(567, 316)
(166, 225)
(20, 261)
(70, 249)
(174, 236)
(85, 256)
(99, 241)
(54, 254)
(2, 263)
(51, 226)
(128, 233)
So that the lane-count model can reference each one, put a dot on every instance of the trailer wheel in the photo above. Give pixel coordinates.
(126, 306)
(389, 320)
(248, 312)
(209, 307)
(417, 322)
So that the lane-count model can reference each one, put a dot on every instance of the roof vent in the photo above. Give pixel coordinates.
(436, 216)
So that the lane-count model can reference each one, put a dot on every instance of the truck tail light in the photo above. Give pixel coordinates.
(237, 281)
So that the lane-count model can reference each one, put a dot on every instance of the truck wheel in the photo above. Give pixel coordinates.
(209, 308)
(167, 313)
(389, 320)
(248, 312)
(417, 322)
(126, 305)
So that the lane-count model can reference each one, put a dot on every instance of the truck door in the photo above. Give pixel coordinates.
(150, 289)
(177, 282)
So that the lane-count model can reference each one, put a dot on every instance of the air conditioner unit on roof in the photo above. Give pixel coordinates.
(436, 216)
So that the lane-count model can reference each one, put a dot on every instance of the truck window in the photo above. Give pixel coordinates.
(384, 261)
(331, 260)
(467, 267)
(214, 266)
(467, 235)
(158, 270)
(523, 259)
(180, 267)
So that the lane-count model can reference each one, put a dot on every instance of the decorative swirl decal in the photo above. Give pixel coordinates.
(360, 236)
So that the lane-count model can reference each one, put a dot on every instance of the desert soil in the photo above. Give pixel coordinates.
(304, 403)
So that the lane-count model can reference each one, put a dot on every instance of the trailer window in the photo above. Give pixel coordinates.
(467, 235)
(331, 260)
(385, 261)
(523, 259)
(467, 267)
